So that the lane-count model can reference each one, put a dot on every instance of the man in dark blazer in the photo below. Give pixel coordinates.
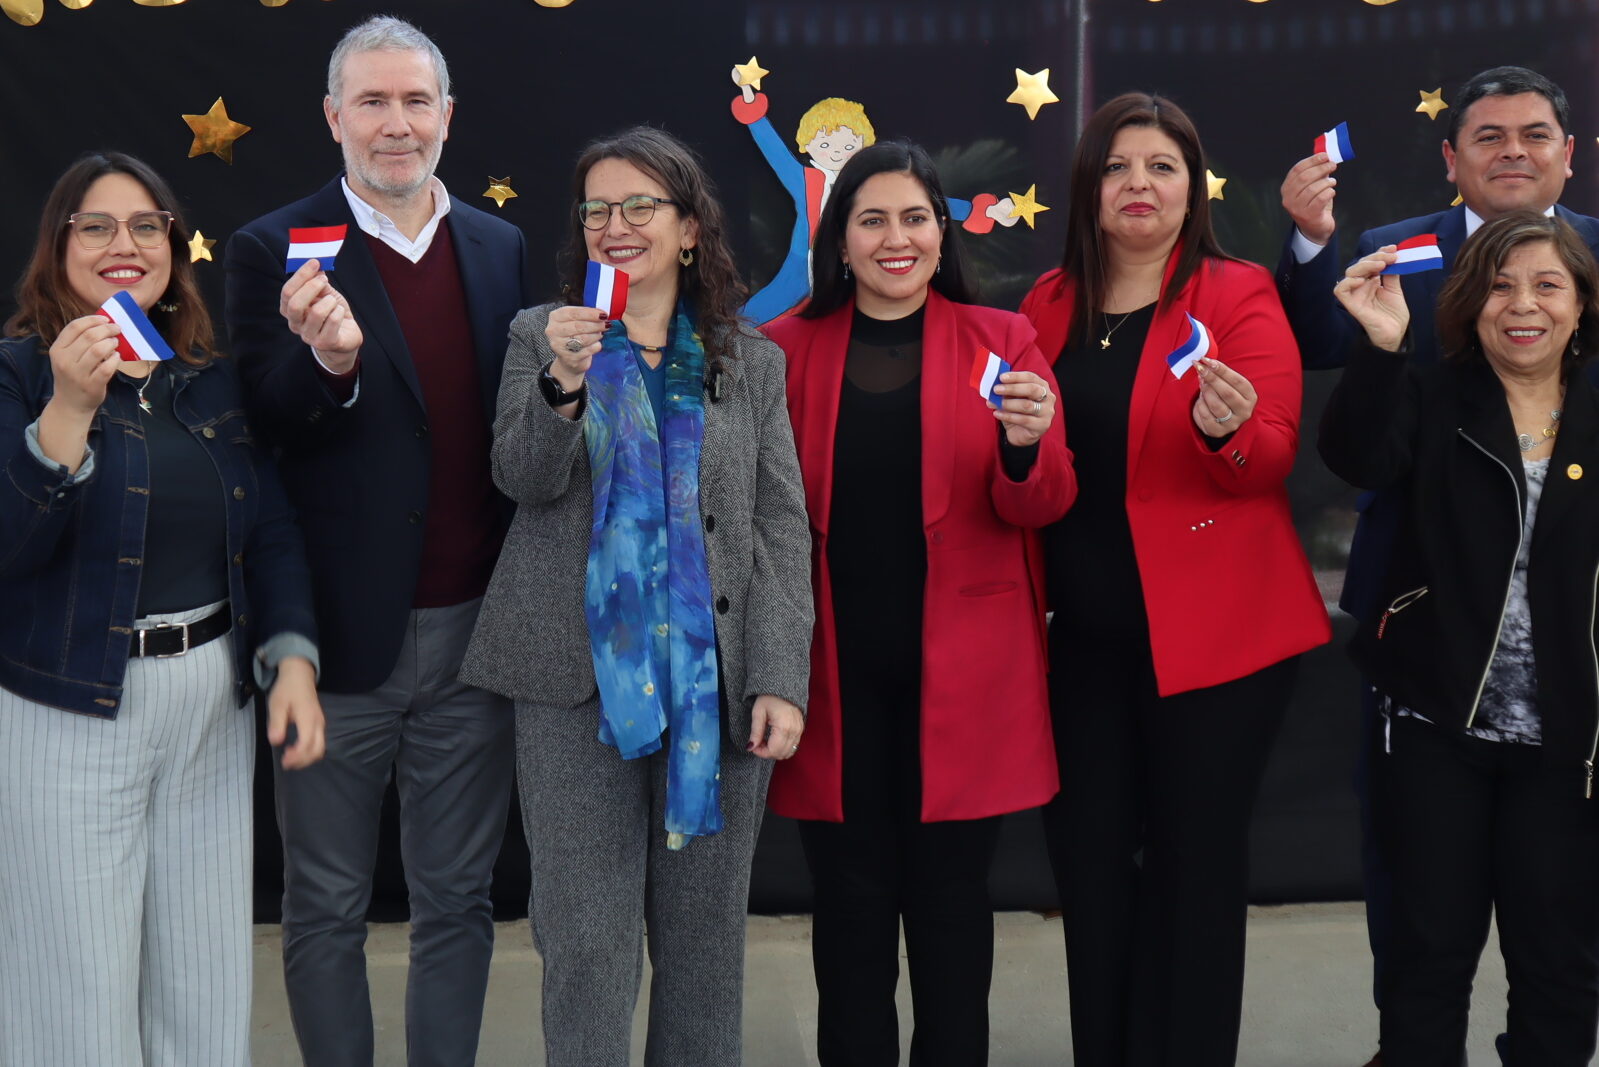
(376, 382)
(1508, 148)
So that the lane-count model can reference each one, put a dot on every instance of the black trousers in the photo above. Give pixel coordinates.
(1476, 829)
(883, 864)
(1149, 839)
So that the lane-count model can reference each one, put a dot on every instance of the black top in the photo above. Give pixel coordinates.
(875, 546)
(186, 532)
(1092, 572)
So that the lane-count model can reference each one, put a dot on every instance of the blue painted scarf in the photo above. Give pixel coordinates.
(648, 591)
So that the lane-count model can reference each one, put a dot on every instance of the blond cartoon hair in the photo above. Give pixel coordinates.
(825, 116)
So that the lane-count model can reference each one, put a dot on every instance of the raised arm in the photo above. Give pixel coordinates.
(291, 402)
(535, 445)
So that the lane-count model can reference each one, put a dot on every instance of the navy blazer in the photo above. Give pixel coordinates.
(358, 475)
(1327, 333)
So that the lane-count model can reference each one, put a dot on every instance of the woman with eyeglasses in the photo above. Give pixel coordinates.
(153, 578)
(650, 614)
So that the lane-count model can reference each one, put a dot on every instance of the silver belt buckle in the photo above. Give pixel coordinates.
(166, 626)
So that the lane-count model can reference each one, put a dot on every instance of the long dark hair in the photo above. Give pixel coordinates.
(1484, 253)
(830, 289)
(1084, 259)
(45, 299)
(711, 284)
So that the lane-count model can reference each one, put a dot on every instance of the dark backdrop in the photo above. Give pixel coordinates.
(532, 84)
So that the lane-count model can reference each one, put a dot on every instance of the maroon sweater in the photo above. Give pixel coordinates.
(462, 528)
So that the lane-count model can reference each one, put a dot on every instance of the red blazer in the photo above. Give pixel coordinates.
(1226, 584)
(986, 743)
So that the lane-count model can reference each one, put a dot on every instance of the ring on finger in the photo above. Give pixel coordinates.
(1038, 405)
(1224, 418)
(574, 343)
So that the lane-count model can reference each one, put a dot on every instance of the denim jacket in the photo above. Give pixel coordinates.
(71, 544)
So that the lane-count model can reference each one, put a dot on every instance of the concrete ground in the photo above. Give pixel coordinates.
(1307, 1001)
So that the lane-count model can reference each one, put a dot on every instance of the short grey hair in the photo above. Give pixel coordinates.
(384, 33)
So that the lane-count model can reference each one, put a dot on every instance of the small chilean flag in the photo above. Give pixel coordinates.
(138, 339)
(986, 369)
(1191, 351)
(320, 243)
(1335, 142)
(605, 287)
(1419, 253)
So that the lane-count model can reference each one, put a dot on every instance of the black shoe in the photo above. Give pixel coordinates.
(1502, 1046)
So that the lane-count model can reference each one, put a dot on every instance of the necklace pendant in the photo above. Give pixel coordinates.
(144, 406)
(1104, 342)
(1524, 442)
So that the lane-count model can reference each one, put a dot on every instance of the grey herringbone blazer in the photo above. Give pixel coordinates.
(532, 642)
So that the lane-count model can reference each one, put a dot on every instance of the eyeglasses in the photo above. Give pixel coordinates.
(636, 210)
(95, 229)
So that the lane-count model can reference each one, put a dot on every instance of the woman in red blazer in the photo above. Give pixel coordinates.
(1181, 595)
(929, 713)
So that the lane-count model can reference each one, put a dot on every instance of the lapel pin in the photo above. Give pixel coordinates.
(1574, 471)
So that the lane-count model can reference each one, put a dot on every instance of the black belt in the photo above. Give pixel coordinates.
(165, 640)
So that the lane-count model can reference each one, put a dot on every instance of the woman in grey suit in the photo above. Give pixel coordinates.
(651, 611)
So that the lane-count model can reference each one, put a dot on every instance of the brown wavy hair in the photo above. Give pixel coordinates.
(1469, 283)
(711, 284)
(1084, 258)
(45, 300)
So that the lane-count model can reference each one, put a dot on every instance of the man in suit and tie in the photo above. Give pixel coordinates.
(376, 382)
(1508, 148)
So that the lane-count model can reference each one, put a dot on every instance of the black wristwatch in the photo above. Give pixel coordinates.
(557, 397)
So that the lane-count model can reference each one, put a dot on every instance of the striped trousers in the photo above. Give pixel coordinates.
(125, 847)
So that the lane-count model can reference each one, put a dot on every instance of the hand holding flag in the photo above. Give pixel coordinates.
(1225, 402)
(1375, 298)
(320, 316)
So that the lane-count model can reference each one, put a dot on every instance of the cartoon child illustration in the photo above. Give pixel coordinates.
(830, 132)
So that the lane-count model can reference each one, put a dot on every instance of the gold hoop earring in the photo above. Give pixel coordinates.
(686, 257)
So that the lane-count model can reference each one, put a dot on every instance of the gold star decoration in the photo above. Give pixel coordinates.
(1214, 187)
(500, 190)
(214, 132)
(1431, 103)
(1032, 92)
(200, 247)
(23, 12)
(1024, 206)
(750, 73)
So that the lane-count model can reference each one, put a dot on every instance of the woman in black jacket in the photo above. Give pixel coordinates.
(1485, 658)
